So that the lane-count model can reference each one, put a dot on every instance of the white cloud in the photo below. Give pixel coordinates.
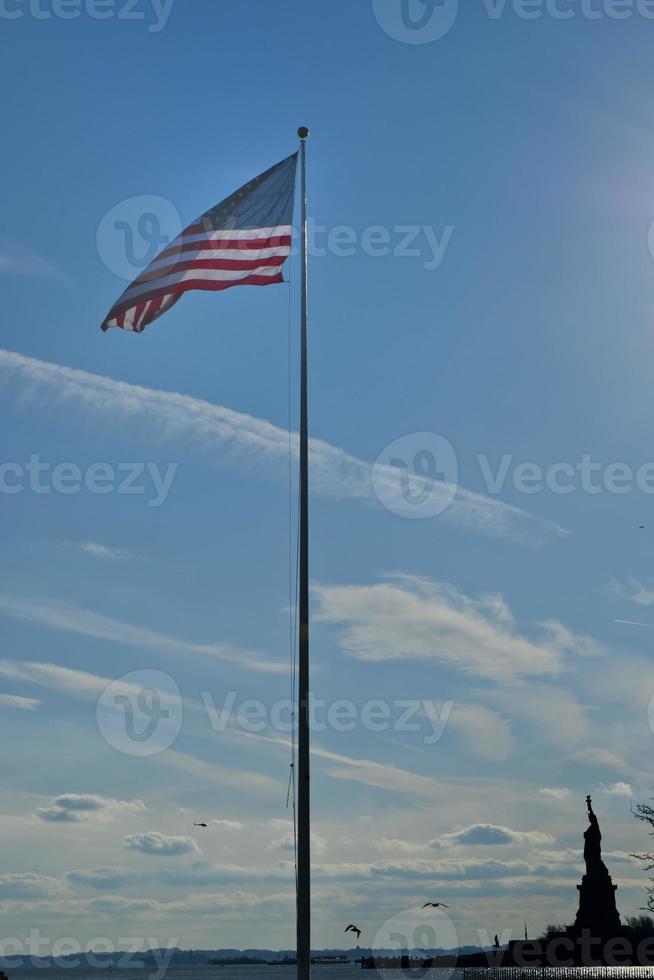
(553, 711)
(634, 591)
(486, 733)
(76, 807)
(228, 824)
(617, 789)
(190, 765)
(159, 845)
(104, 551)
(101, 877)
(14, 701)
(490, 835)
(600, 757)
(557, 792)
(248, 442)
(576, 644)
(73, 683)
(378, 774)
(409, 618)
(287, 843)
(17, 887)
(72, 619)
(279, 823)
(402, 869)
(625, 680)
(116, 906)
(393, 845)
(19, 260)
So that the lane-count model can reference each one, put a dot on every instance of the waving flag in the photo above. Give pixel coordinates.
(243, 241)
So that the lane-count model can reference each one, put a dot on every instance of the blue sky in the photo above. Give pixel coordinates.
(524, 148)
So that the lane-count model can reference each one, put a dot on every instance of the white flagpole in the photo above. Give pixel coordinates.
(304, 802)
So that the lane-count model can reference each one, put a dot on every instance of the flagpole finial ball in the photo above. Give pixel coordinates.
(303, 132)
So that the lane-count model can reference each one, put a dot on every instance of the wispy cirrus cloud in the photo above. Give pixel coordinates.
(486, 732)
(247, 442)
(14, 701)
(105, 551)
(410, 618)
(379, 775)
(190, 765)
(54, 677)
(73, 619)
(19, 260)
(633, 591)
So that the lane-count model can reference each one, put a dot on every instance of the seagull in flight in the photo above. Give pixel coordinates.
(435, 905)
(353, 928)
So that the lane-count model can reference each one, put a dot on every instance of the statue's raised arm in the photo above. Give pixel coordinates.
(593, 844)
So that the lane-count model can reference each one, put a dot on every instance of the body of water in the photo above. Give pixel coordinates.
(324, 972)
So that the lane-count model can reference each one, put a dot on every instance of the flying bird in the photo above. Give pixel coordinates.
(435, 905)
(199, 824)
(353, 928)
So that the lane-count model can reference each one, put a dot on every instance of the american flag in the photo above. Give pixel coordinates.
(243, 241)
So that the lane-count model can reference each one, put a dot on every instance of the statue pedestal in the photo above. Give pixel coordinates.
(597, 909)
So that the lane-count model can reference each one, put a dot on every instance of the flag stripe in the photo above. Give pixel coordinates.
(245, 240)
(171, 267)
(125, 318)
(139, 290)
(266, 246)
(235, 234)
(226, 255)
